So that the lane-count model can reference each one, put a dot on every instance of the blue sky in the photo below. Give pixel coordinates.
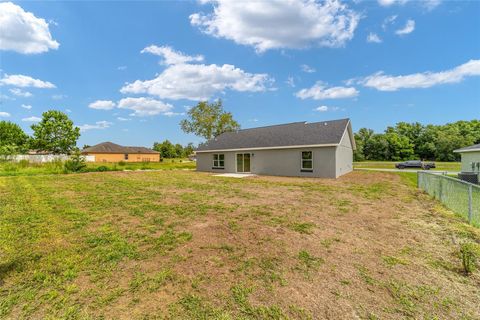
(127, 71)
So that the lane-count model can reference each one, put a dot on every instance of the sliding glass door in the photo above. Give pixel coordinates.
(243, 162)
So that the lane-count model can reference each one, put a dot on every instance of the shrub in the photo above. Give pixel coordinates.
(102, 169)
(122, 163)
(469, 252)
(76, 162)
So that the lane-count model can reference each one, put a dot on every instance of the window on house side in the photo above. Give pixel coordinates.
(219, 160)
(307, 160)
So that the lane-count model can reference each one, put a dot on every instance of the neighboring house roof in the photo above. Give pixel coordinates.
(475, 147)
(290, 135)
(109, 147)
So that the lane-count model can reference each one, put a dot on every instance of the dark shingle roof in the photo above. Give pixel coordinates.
(282, 135)
(475, 147)
(109, 147)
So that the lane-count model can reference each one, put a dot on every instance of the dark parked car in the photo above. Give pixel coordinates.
(415, 164)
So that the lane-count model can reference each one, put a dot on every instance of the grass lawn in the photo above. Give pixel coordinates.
(186, 245)
(441, 166)
(27, 169)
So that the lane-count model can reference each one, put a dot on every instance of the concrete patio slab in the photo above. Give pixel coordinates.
(235, 175)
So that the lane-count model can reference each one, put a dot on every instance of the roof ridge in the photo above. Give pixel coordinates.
(290, 123)
(272, 125)
(336, 120)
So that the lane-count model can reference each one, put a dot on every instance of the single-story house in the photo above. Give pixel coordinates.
(111, 152)
(300, 149)
(470, 158)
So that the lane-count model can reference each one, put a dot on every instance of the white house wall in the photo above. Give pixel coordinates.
(344, 156)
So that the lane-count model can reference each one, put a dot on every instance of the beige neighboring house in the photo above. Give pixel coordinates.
(111, 152)
(300, 149)
(470, 159)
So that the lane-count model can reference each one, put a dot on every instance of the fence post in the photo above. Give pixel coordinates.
(418, 179)
(470, 204)
(440, 197)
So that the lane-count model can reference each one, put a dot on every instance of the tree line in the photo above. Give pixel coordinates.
(56, 134)
(406, 141)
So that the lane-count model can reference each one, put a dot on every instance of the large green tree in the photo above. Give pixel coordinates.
(209, 120)
(55, 133)
(399, 147)
(13, 136)
(166, 149)
(376, 148)
(361, 139)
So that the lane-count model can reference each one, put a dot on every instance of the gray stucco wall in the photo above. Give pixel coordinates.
(344, 156)
(287, 162)
(205, 162)
(468, 158)
(284, 162)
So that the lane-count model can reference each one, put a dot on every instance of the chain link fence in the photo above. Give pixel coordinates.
(461, 197)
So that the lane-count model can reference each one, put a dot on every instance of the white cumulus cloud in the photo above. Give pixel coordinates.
(388, 3)
(431, 4)
(408, 28)
(322, 109)
(326, 108)
(22, 81)
(427, 4)
(198, 82)
(26, 106)
(20, 93)
(170, 56)
(102, 105)
(4, 114)
(320, 91)
(144, 106)
(279, 24)
(22, 32)
(306, 68)
(97, 126)
(32, 119)
(373, 38)
(383, 82)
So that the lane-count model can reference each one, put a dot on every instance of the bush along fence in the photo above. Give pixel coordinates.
(461, 197)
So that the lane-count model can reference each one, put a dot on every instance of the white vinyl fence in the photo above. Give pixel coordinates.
(42, 158)
(461, 197)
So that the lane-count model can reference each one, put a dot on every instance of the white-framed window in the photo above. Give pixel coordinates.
(219, 160)
(307, 161)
